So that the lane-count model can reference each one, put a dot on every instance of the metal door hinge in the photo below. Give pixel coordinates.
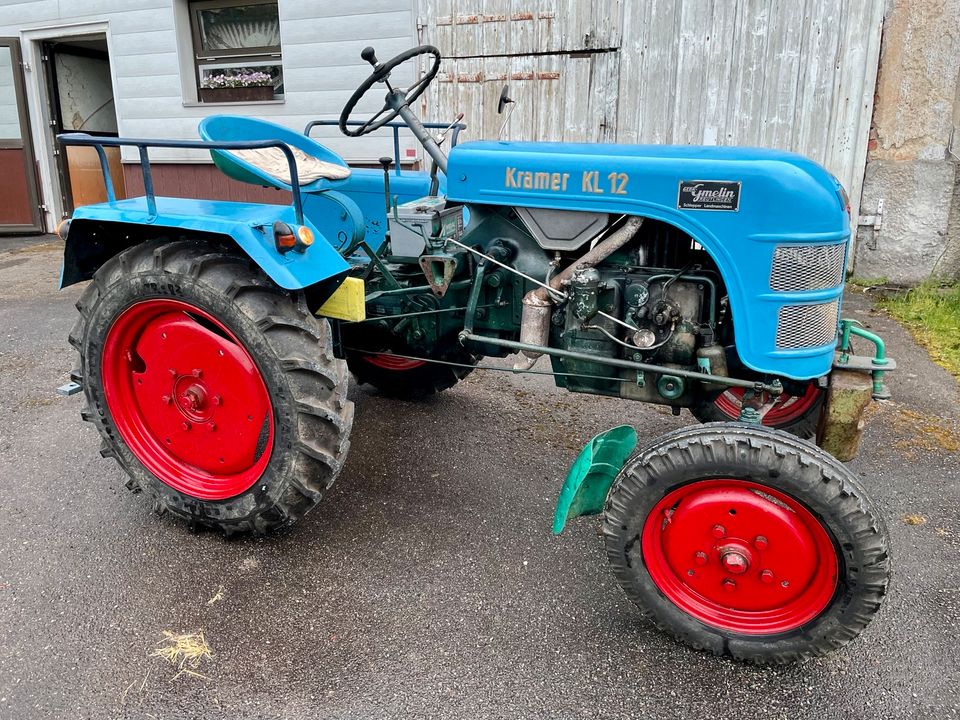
(874, 221)
(26, 66)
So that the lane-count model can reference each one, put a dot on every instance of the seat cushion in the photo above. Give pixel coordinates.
(273, 162)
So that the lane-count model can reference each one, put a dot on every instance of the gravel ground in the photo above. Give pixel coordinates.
(427, 585)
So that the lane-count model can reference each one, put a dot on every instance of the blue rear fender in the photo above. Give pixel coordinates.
(98, 232)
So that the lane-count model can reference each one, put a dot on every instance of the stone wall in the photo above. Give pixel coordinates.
(914, 145)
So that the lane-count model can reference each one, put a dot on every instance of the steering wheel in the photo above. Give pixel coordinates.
(381, 73)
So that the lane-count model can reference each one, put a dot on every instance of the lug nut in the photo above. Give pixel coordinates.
(173, 373)
(766, 577)
(197, 373)
(719, 531)
(760, 542)
(700, 558)
(167, 399)
(186, 425)
(213, 426)
(729, 585)
(217, 399)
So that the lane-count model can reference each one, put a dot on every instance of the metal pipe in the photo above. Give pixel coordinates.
(537, 304)
(772, 388)
(399, 102)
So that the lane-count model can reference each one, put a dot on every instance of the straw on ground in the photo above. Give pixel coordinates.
(185, 651)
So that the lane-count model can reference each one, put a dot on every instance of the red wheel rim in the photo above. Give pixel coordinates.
(187, 399)
(787, 409)
(740, 556)
(389, 361)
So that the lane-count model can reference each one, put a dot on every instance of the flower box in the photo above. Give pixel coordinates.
(256, 93)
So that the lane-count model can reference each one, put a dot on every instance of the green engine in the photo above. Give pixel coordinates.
(657, 300)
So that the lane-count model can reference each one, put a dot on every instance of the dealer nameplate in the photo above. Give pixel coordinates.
(709, 195)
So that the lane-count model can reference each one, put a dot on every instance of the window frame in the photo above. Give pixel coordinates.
(200, 56)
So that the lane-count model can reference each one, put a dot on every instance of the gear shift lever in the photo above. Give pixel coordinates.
(385, 163)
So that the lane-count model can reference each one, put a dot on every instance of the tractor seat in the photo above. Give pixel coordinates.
(273, 162)
(317, 167)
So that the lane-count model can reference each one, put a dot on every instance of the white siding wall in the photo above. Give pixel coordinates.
(9, 118)
(150, 55)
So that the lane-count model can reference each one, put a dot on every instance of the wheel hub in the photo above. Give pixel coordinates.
(193, 400)
(740, 556)
(187, 398)
(734, 560)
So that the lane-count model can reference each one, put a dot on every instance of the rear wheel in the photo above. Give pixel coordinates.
(796, 411)
(216, 391)
(747, 542)
(386, 364)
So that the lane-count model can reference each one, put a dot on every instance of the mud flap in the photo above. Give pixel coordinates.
(584, 492)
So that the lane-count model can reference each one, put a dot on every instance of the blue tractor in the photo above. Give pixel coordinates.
(216, 340)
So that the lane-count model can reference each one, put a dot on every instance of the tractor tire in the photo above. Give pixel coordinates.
(747, 542)
(797, 414)
(405, 379)
(216, 391)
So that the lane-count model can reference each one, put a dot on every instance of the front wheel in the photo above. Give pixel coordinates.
(796, 410)
(747, 542)
(215, 391)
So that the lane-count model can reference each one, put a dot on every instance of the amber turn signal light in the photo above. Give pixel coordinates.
(63, 229)
(283, 236)
(288, 238)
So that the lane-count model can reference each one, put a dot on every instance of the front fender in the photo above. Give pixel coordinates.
(584, 492)
(98, 232)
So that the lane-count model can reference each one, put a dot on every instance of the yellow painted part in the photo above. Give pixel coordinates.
(347, 303)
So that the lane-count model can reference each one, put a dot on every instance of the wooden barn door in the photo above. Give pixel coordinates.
(796, 75)
(559, 58)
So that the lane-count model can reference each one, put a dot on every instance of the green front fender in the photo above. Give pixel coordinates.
(591, 475)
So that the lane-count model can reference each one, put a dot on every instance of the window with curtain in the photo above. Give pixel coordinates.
(237, 44)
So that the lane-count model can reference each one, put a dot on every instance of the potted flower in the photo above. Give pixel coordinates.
(237, 87)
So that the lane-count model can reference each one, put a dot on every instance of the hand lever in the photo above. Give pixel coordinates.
(370, 55)
(385, 163)
(443, 134)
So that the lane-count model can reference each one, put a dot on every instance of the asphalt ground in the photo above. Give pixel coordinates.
(427, 584)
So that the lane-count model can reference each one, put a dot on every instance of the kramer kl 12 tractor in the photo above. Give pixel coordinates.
(215, 341)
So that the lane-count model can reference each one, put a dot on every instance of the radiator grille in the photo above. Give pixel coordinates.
(807, 267)
(807, 326)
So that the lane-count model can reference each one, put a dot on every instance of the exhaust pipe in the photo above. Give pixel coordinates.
(538, 305)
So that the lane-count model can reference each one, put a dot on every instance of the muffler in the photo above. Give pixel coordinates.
(538, 303)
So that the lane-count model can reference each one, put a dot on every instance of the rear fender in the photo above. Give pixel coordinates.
(98, 232)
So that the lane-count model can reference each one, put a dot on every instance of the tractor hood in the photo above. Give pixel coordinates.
(774, 222)
(761, 188)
